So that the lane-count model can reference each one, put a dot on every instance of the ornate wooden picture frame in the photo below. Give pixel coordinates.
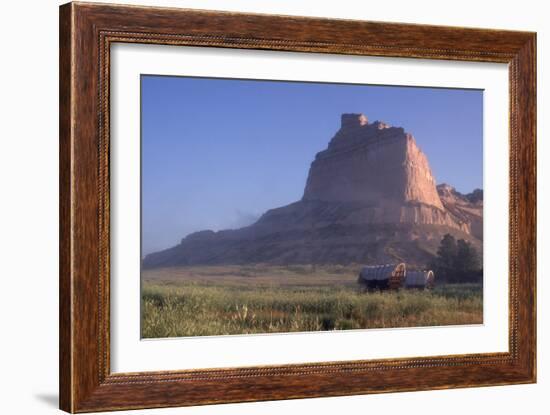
(87, 32)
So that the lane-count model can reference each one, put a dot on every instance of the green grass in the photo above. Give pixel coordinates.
(202, 301)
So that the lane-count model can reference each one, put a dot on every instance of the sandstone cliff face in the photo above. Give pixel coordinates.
(380, 166)
(370, 197)
(373, 163)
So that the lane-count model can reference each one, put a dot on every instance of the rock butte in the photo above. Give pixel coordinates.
(378, 165)
(370, 197)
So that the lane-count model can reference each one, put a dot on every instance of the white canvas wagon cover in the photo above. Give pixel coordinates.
(419, 278)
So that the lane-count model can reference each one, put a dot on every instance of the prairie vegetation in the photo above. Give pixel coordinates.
(224, 300)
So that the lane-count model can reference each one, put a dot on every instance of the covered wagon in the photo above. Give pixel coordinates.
(382, 277)
(420, 279)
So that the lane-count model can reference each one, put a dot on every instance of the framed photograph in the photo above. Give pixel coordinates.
(258, 207)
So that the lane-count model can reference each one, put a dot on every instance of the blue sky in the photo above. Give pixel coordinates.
(217, 153)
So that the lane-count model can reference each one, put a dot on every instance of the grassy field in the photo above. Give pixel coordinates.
(222, 300)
